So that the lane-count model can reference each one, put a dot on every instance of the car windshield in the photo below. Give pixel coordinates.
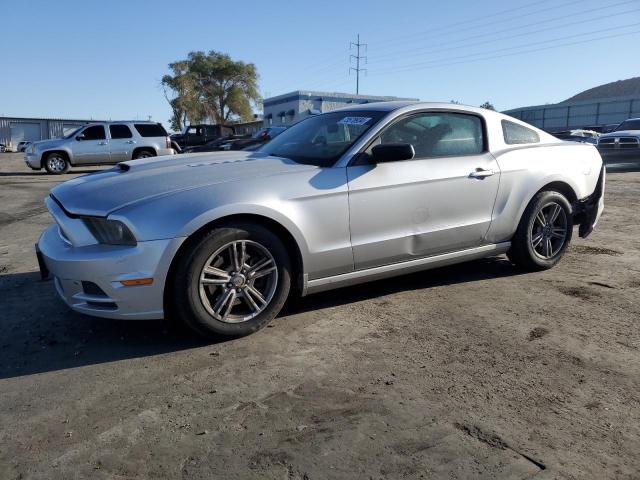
(321, 140)
(73, 132)
(629, 125)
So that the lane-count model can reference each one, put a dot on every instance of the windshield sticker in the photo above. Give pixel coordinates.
(354, 121)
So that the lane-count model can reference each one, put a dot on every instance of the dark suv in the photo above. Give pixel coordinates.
(194, 135)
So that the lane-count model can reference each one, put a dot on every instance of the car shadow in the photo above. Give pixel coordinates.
(41, 334)
(477, 270)
(44, 174)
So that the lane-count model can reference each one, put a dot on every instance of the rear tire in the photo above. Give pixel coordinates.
(544, 232)
(219, 294)
(143, 154)
(56, 163)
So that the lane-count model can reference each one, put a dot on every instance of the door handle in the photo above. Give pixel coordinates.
(102, 143)
(130, 141)
(481, 173)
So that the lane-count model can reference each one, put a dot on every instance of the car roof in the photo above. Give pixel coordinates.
(397, 105)
(150, 122)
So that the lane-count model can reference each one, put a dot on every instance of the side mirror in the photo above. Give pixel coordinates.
(392, 152)
(80, 137)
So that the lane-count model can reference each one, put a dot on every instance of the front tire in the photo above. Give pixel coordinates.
(56, 164)
(231, 281)
(544, 232)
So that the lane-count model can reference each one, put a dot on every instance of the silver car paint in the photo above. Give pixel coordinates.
(415, 208)
(96, 152)
(393, 225)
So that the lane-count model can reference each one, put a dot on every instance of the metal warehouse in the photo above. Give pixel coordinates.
(14, 130)
(292, 107)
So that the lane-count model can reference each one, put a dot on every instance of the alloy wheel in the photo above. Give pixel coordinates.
(238, 281)
(549, 230)
(56, 163)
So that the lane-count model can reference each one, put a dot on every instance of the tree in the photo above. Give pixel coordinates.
(488, 106)
(210, 85)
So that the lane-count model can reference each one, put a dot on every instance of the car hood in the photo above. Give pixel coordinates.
(101, 193)
(53, 143)
(621, 133)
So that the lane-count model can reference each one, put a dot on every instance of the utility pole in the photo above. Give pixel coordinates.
(357, 57)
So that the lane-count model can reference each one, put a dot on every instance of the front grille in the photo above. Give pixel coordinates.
(629, 142)
(618, 143)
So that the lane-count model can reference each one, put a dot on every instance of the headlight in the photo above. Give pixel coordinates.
(33, 149)
(109, 232)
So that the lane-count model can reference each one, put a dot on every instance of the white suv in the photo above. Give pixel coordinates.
(99, 144)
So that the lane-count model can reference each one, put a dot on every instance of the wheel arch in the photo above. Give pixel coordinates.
(555, 184)
(561, 187)
(283, 233)
(55, 150)
(147, 149)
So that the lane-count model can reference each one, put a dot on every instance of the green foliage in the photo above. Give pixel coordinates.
(210, 86)
(488, 106)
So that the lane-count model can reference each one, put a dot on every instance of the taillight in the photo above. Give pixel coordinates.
(168, 142)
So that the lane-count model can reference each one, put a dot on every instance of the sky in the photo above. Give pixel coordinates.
(104, 60)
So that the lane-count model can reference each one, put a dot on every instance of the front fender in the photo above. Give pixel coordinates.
(48, 150)
(273, 214)
(313, 206)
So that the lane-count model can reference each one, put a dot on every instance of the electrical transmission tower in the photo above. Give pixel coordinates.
(358, 57)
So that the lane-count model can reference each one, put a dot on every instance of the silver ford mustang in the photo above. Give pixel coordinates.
(219, 240)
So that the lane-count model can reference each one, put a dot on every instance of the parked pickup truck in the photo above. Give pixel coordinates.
(100, 143)
(622, 144)
(195, 135)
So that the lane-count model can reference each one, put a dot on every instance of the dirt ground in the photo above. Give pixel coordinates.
(472, 371)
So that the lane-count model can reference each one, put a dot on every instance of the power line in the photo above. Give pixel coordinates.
(456, 26)
(421, 50)
(357, 57)
(421, 66)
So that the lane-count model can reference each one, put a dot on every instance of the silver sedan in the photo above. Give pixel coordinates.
(220, 240)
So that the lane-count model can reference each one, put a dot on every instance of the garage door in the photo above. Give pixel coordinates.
(23, 131)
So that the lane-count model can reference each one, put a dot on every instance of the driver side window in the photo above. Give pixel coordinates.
(438, 134)
(95, 132)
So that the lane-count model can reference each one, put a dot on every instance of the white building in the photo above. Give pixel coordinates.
(292, 107)
(14, 130)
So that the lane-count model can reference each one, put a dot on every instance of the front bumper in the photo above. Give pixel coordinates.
(88, 277)
(33, 161)
(620, 154)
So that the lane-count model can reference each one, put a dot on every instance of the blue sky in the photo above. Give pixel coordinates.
(105, 59)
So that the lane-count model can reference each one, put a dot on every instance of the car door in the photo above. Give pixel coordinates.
(121, 143)
(91, 146)
(195, 136)
(440, 201)
(210, 133)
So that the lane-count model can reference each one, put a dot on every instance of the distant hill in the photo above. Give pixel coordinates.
(621, 88)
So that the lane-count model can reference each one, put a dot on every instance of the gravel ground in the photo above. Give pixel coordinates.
(472, 371)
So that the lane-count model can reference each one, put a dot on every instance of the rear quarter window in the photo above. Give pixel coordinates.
(150, 130)
(515, 134)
